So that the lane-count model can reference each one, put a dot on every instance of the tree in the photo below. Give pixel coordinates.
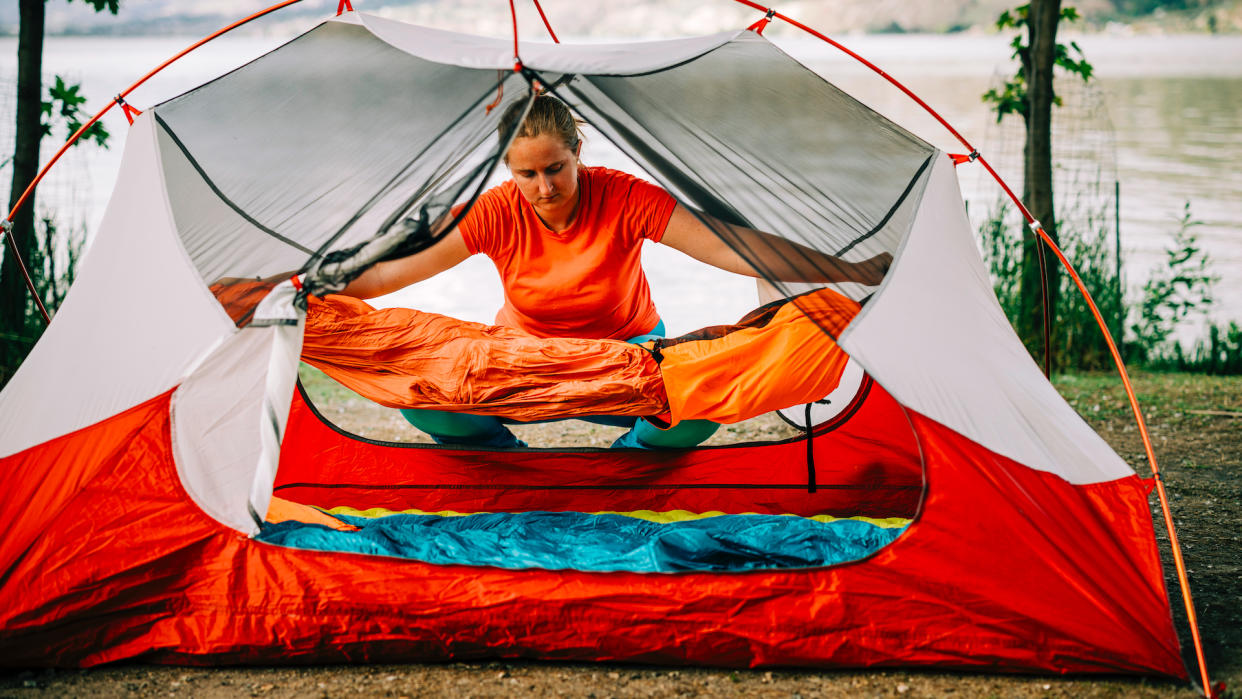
(34, 119)
(1030, 93)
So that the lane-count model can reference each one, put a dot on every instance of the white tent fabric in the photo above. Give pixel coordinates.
(937, 339)
(467, 51)
(136, 322)
(228, 417)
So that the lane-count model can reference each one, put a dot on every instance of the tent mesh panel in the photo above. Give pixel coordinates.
(336, 134)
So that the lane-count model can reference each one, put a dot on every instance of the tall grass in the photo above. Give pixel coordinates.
(1085, 241)
(1175, 293)
(1076, 338)
(1219, 351)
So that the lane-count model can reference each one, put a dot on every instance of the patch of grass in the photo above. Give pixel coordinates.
(1169, 395)
(318, 384)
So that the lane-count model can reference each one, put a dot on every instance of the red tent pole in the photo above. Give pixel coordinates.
(1178, 561)
(8, 221)
(545, 22)
(1099, 319)
(517, 60)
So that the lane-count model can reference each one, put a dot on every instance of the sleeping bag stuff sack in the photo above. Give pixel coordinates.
(776, 356)
(779, 355)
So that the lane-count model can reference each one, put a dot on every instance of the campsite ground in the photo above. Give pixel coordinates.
(1196, 423)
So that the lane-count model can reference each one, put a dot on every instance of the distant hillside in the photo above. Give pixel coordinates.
(626, 18)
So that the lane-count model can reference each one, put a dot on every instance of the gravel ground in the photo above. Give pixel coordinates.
(1196, 423)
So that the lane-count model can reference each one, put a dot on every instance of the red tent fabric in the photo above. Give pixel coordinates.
(992, 560)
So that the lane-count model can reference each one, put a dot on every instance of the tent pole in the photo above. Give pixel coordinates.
(1038, 229)
(5, 227)
(517, 61)
(7, 223)
(1178, 561)
(545, 22)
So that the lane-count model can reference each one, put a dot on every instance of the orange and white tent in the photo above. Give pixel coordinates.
(143, 440)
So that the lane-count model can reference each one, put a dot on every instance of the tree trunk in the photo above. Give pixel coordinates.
(13, 293)
(1037, 188)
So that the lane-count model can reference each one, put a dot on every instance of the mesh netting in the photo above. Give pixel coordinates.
(314, 151)
(318, 145)
(748, 136)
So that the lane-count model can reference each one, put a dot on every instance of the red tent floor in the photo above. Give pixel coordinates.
(1005, 568)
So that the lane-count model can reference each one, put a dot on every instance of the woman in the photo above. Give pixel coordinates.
(566, 240)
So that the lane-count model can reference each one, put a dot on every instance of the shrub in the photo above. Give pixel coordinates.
(1174, 293)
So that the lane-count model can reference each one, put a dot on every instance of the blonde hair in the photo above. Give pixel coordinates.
(547, 116)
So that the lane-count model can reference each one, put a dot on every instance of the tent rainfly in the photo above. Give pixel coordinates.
(144, 439)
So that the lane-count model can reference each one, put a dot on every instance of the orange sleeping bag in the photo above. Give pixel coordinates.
(403, 358)
(775, 357)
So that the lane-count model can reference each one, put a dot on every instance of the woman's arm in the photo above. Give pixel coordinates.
(387, 277)
(785, 260)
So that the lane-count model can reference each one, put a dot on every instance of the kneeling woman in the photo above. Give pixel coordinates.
(566, 240)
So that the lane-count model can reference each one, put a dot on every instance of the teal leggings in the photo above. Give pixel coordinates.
(488, 431)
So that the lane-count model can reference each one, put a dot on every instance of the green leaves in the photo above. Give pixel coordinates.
(101, 5)
(64, 102)
(1077, 66)
(1177, 291)
(1015, 19)
(64, 106)
(1182, 286)
(67, 95)
(1011, 98)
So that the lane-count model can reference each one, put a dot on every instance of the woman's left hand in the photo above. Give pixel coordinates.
(871, 271)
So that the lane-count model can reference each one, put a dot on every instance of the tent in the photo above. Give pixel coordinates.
(143, 440)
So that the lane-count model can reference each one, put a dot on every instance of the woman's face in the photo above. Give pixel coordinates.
(546, 173)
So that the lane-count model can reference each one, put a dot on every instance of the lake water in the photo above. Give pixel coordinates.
(1166, 122)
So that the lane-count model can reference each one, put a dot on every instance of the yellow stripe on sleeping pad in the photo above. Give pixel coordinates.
(649, 515)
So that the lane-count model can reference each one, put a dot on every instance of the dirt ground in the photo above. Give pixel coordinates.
(1196, 425)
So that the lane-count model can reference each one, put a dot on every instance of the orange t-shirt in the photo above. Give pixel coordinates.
(586, 281)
